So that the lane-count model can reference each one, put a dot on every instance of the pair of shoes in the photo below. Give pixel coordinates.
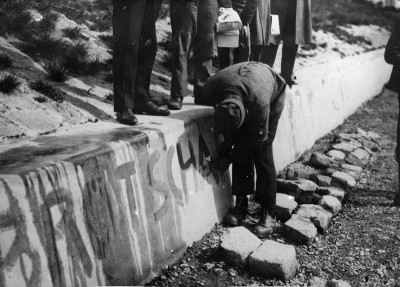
(175, 103)
(238, 213)
(150, 108)
(200, 101)
(265, 226)
(396, 200)
(126, 117)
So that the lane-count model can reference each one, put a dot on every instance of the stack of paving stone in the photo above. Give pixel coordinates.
(307, 200)
(312, 194)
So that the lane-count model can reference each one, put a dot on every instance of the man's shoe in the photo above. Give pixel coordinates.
(290, 80)
(265, 225)
(150, 108)
(239, 212)
(126, 117)
(175, 103)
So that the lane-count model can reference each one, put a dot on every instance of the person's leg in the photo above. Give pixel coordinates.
(242, 185)
(268, 54)
(396, 200)
(183, 24)
(266, 173)
(127, 22)
(146, 56)
(289, 48)
(203, 49)
(242, 53)
(224, 57)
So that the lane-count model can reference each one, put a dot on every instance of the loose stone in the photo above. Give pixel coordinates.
(317, 215)
(336, 154)
(285, 204)
(342, 179)
(331, 203)
(300, 230)
(337, 192)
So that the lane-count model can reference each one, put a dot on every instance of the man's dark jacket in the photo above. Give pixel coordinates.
(262, 92)
(392, 56)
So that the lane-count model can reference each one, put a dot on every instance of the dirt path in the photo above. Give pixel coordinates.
(362, 245)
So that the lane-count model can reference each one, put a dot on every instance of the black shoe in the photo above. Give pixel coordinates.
(200, 101)
(396, 200)
(150, 108)
(175, 103)
(126, 117)
(238, 213)
(266, 224)
(290, 80)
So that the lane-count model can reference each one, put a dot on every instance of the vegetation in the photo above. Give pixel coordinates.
(73, 33)
(5, 62)
(48, 90)
(57, 72)
(9, 84)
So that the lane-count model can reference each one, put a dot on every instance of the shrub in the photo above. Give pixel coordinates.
(5, 61)
(72, 32)
(107, 39)
(48, 90)
(110, 97)
(57, 72)
(108, 78)
(9, 84)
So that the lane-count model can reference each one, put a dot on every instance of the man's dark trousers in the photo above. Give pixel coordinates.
(192, 24)
(263, 159)
(134, 51)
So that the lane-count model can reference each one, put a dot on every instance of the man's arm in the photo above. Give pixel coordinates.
(392, 51)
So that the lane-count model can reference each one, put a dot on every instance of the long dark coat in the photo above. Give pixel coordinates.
(260, 26)
(303, 33)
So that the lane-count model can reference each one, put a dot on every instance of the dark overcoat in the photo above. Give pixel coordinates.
(260, 26)
(303, 33)
(392, 56)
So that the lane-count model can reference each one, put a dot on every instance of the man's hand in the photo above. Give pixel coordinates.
(222, 163)
(224, 148)
(244, 34)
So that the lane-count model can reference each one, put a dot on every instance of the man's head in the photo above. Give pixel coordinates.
(229, 115)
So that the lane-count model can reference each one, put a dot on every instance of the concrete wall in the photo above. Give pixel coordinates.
(114, 206)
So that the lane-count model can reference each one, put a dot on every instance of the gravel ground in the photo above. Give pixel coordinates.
(362, 245)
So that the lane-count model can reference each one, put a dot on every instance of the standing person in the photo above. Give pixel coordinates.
(260, 28)
(134, 52)
(392, 56)
(246, 10)
(248, 99)
(295, 28)
(192, 23)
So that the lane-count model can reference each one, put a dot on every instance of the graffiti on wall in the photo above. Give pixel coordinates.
(109, 218)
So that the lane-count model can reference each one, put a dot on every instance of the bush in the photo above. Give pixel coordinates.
(57, 72)
(5, 61)
(9, 84)
(109, 78)
(110, 97)
(48, 90)
(72, 32)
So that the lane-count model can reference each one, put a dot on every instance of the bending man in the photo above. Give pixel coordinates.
(248, 99)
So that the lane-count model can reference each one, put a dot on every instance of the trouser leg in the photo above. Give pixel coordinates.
(264, 159)
(224, 57)
(268, 54)
(183, 25)
(242, 53)
(147, 51)
(203, 49)
(127, 24)
(243, 177)
(289, 53)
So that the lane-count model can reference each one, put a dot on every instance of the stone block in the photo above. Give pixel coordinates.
(373, 135)
(299, 170)
(321, 180)
(300, 230)
(331, 203)
(369, 144)
(331, 170)
(317, 282)
(337, 283)
(320, 160)
(362, 155)
(336, 154)
(351, 159)
(302, 189)
(337, 192)
(346, 147)
(285, 204)
(317, 215)
(237, 244)
(343, 179)
(274, 260)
